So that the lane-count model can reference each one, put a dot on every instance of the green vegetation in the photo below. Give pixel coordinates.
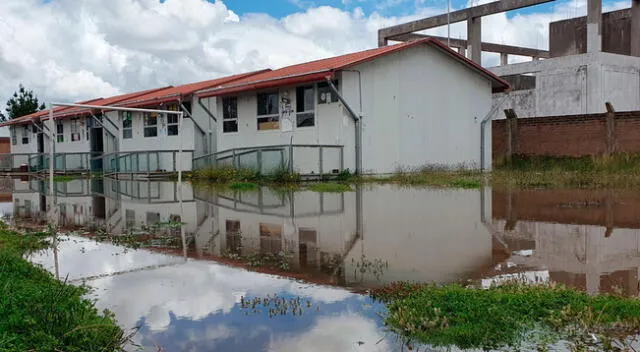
(509, 315)
(243, 186)
(40, 313)
(228, 174)
(616, 171)
(63, 178)
(329, 187)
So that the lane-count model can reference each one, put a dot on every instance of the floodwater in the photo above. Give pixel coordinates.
(313, 255)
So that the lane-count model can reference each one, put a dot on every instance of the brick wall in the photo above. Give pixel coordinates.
(574, 135)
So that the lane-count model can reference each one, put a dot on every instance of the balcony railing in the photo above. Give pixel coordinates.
(142, 161)
(305, 159)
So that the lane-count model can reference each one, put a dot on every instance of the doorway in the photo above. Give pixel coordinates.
(97, 148)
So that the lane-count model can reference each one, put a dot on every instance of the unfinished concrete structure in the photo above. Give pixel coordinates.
(591, 60)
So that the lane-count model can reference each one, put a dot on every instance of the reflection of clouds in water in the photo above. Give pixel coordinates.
(334, 333)
(81, 258)
(194, 290)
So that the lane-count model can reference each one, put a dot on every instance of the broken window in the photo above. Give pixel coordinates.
(60, 132)
(127, 128)
(14, 137)
(230, 114)
(75, 130)
(305, 106)
(150, 125)
(268, 111)
(172, 125)
(25, 135)
(326, 94)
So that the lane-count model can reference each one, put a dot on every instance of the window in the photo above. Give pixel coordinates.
(14, 137)
(25, 135)
(150, 125)
(172, 125)
(326, 94)
(60, 132)
(270, 238)
(229, 114)
(152, 218)
(129, 218)
(127, 128)
(305, 106)
(75, 130)
(234, 237)
(268, 112)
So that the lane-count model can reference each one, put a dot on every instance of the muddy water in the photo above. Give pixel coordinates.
(312, 254)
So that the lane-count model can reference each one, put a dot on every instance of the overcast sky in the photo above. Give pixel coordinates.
(71, 50)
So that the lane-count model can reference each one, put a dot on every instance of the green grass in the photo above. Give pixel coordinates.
(329, 187)
(508, 315)
(229, 174)
(243, 186)
(63, 178)
(40, 313)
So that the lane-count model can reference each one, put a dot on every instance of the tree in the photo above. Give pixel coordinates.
(23, 102)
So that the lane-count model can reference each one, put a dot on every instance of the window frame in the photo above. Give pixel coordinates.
(272, 117)
(25, 135)
(171, 124)
(127, 131)
(75, 126)
(226, 114)
(59, 132)
(14, 136)
(303, 112)
(149, 127)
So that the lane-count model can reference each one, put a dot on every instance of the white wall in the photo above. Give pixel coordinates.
(421, 108)
(332, 127)
(576, 84)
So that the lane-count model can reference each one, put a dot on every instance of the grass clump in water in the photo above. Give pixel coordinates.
(40, 313)
(329, 187)
(508, 315)
(63, 178)
(228, 175)
(438, 176)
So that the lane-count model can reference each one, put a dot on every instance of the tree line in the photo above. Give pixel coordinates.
(23, 102)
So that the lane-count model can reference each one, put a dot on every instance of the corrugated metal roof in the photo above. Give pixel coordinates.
(179, 92)
(315, 70)
(38, 115)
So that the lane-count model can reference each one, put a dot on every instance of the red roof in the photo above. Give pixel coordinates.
(40, 114)
(76, 111)
(319, 69)
(183, 91)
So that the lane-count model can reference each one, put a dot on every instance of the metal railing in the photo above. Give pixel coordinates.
(35, 162)
(305, 159)
(141, 161)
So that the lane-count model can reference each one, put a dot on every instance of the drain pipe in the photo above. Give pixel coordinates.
(357, 119)
(212, 149)
(483, 123)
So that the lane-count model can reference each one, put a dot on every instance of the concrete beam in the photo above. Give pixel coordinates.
(635, 27)
(488, 47)
(504, 59)
(474, 39)
(455, 16)
(594, 26)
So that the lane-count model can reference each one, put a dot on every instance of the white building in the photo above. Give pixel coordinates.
(419, 103)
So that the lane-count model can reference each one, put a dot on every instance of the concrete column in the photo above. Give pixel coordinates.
(504, 59)
(611, 129)
(593, 242)
(474, 39)
(635, 27)
(594, 26)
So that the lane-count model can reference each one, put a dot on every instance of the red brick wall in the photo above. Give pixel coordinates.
(574, 135)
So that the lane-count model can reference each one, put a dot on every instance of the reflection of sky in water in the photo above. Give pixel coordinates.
(6, 209)
(195, 305)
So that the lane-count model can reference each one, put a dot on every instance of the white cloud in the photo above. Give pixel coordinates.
(71, 50)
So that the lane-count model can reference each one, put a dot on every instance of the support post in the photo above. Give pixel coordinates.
(512, 134)
(462, 51)
(504, 59)
(611, 130)
(320, 161)
(635, 27)
(474, 39)
(594, 26)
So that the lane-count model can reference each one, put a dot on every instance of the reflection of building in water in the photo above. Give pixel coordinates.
(404, 234)
(587, 239)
